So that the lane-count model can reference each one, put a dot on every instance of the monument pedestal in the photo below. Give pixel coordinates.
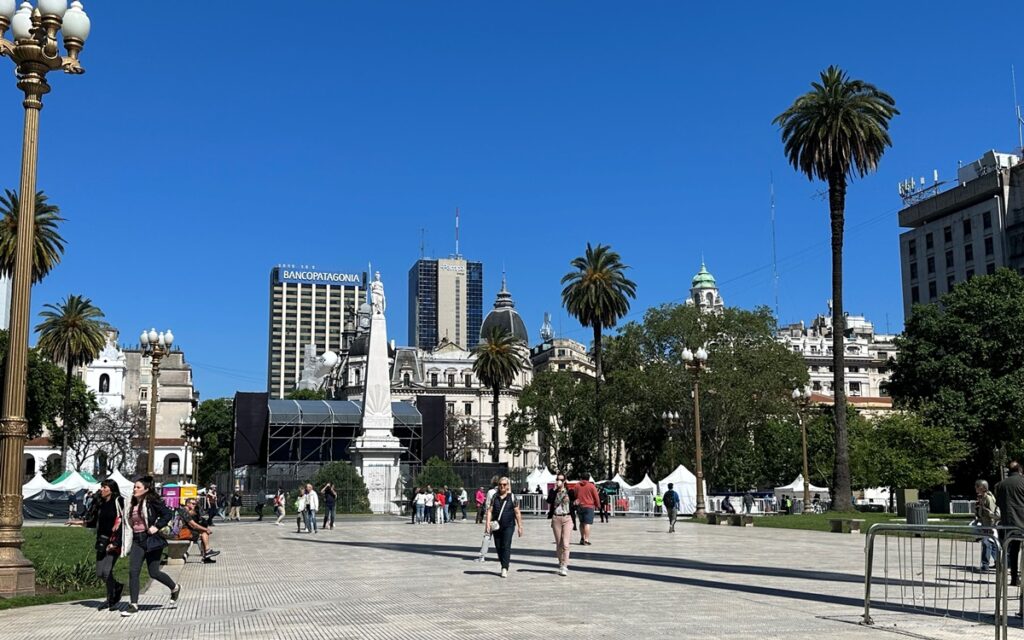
(377, 462)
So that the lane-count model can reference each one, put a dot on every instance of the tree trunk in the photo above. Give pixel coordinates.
(603, 448)
(841, 471)
(66, 417)
(494, 425)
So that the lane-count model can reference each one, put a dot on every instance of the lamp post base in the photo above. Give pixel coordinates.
(699, 512)
(808, 511)
(17, 575)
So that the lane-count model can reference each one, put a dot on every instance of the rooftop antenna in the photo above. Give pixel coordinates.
(775, 264)
(423, 242)
(1016, 106)
(457, 232)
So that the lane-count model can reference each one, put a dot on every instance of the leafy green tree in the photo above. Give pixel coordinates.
(597, 294)
(437, 473)
(557, 407)
(904, 452)
(71, 332)
(836, 131)
(48, 245)
(498, 362)
(215, 422)
(307, 394)
(961, 366)
(77, 412)
(353, 497)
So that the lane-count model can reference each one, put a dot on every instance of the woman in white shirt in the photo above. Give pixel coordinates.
(428, 504)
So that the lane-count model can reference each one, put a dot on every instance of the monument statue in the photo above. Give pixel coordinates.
(377, 295)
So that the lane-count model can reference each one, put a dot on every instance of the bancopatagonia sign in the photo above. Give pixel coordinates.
(457, 268)
(317, 277)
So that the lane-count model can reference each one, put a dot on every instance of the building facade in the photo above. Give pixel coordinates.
(445, 302)
(972, 228)
(308, 307)
(562, 354)
(868, 355)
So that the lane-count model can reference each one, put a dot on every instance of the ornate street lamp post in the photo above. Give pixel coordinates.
(156, 346)
(188, 425)
(694, 361)
(802, 398)
(35, 53)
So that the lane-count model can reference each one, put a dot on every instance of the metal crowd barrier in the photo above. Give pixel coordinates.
(934, 571)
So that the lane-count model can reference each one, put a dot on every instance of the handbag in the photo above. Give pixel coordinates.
(496, 525)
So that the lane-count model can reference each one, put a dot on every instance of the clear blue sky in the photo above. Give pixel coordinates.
(203, 147)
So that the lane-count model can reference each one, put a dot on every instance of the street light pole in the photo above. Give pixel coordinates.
(695, 361)
(802, 397)
(35, 53)
(156, 346)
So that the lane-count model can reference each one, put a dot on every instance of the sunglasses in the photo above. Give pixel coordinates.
(503, 484)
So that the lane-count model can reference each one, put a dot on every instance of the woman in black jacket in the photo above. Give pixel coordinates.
(105, 515)
(146, 516)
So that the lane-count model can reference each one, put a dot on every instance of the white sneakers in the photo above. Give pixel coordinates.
(562, 570)
(504, 573)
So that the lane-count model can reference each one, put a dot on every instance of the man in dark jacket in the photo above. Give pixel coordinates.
(1010, 500)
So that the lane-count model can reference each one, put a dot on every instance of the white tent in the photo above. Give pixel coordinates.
(35, 485)
(74, 483)
(795, 489)
(685, 484)
(539, 477)
(646, 484)
(124, 484)
(622, 482)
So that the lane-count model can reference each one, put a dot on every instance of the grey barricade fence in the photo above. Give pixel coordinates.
(934, 569)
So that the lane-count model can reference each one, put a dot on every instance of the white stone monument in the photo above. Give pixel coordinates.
(376, 452)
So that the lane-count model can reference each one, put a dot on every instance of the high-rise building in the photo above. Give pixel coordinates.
(968, 229)
(308, 307)
(446, 300)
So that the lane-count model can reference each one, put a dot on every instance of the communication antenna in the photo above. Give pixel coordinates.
(1016, 106)
(457, 232)
(423, 242)
(775, 264)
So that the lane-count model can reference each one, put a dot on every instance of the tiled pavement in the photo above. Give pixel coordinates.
(383, 578)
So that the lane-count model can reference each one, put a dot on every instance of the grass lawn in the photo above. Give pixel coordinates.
(819, 521)
(49, 545)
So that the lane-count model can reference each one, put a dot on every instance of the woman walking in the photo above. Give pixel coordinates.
(105, 515)
(330, 503)
(559, 509)
(300, 509)
(143, 542)
(279, 501)
(504, 518)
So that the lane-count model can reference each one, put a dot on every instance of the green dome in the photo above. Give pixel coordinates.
(703, 279)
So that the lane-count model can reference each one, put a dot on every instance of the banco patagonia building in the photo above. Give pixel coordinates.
(308, 306)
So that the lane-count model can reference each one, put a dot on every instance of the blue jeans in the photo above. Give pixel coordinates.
(419, 512)
(988, 550)
(310, 518)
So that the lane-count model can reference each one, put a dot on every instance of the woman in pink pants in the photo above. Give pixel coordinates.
(560, 499)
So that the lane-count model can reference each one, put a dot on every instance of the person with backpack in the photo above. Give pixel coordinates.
(105, 515)
(671, 502)
(504, 519)
(986, 516)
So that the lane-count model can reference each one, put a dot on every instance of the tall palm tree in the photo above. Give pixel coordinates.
(836, 131)
(498, 362)
(73, 333)
(597, 294)
(48, 245)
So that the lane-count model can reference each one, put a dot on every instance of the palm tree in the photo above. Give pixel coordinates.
(597, 294)
(498, 362)
(48, 245)
(836, 131)
(73, 333)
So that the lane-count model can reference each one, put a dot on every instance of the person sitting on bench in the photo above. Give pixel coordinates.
(193, 530)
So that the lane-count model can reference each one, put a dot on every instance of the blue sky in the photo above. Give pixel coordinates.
(200, 150)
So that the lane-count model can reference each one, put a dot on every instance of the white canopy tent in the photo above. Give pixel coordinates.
(795, 489)
(74, 483)
(539, 477)
(645, 485)
(35, 485)
(124, 484)
(621, 481)
(683, 483)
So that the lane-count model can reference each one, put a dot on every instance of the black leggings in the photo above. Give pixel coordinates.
(152, 560)
(105, 572)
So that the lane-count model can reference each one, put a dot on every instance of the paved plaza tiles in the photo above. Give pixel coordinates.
(382, 578)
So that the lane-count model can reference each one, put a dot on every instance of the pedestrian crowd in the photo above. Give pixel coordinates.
(438, 506)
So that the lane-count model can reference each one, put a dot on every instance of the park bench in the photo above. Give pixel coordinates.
(177, 551)
(741, 520)
(844, 525)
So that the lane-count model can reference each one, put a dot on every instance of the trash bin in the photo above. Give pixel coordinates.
(917, 512)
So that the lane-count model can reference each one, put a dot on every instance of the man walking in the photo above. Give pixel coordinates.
(986, 515)
(1010, 500)
(312, 505)
(671, 502)
(748, 502)
(587, 502)
(236, 507)
(463, 499)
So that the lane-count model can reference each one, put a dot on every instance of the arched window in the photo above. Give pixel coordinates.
(104, 383)
(171, 465)
(30, 464)
(711, 298)
(406, 379)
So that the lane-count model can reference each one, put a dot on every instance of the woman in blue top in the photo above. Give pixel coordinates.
(503, 518)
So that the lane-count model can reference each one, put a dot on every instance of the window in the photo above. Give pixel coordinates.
(949, 259)
(104, 383)
(406, 379)
(989, 246)
(468, 408)
(433, 379)
(929, 242)
(986, 220)
(967, 229)
(853, 369)
(912, 248)
(932, 291)
(451, 380)
(931, 265)
(451, 408)
(969, 253)
(144, 393)
(913, 271)
(469, 381)
(815, 368)
(970, 273)
(855, 388)
(816, 386)
(990, 268)
(947, 235)
(359, 377)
